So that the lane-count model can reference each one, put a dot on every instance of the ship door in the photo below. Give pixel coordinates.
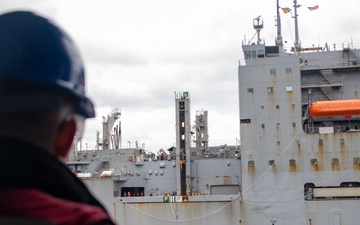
(336, 217)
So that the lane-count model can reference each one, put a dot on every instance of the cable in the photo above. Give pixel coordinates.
(178, 221)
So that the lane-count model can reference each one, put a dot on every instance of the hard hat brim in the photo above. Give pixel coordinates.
(86, 108)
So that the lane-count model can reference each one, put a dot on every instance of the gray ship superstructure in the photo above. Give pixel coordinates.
(300, 137)
(299, 161)
(190, 183)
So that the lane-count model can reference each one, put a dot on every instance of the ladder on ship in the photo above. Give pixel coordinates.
(353, 54)
(354, 58)
(328, 80)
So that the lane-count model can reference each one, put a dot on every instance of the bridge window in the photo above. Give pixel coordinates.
(261, 54)
(247, 54)
(253, 54)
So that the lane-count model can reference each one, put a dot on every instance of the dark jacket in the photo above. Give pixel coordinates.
(35, 184)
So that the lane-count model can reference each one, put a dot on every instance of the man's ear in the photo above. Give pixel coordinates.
(65, 138)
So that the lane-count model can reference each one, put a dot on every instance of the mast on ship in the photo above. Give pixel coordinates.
(183, 140)
(297, 41)
(279, 41)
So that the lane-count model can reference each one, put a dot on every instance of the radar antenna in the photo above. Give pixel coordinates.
(258, 26)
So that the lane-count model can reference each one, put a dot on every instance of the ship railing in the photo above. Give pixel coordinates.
(343, 46)
(229, 142)
(178, 199)
(320, 84)
(311, 130)
(348, 45)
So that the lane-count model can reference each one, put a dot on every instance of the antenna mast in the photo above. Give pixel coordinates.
(279, 41)
(297, 42)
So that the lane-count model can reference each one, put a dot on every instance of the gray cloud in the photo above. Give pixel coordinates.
(138, 53)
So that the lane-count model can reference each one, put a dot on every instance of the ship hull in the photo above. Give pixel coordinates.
(211, 210)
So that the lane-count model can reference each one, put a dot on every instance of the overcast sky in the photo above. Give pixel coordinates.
(139, 52)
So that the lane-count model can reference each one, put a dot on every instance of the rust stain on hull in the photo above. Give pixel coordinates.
(335, 166)
(292, 168)
(251, 169)
(356, 166)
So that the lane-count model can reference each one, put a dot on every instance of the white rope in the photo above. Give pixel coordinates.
(176, 221)
(174, 209)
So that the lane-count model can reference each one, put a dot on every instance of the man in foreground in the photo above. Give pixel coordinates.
(42, 107)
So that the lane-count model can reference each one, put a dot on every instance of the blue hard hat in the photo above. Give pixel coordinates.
(35, 50)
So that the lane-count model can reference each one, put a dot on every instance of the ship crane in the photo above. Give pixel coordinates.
(111, 132)
(183, 140)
